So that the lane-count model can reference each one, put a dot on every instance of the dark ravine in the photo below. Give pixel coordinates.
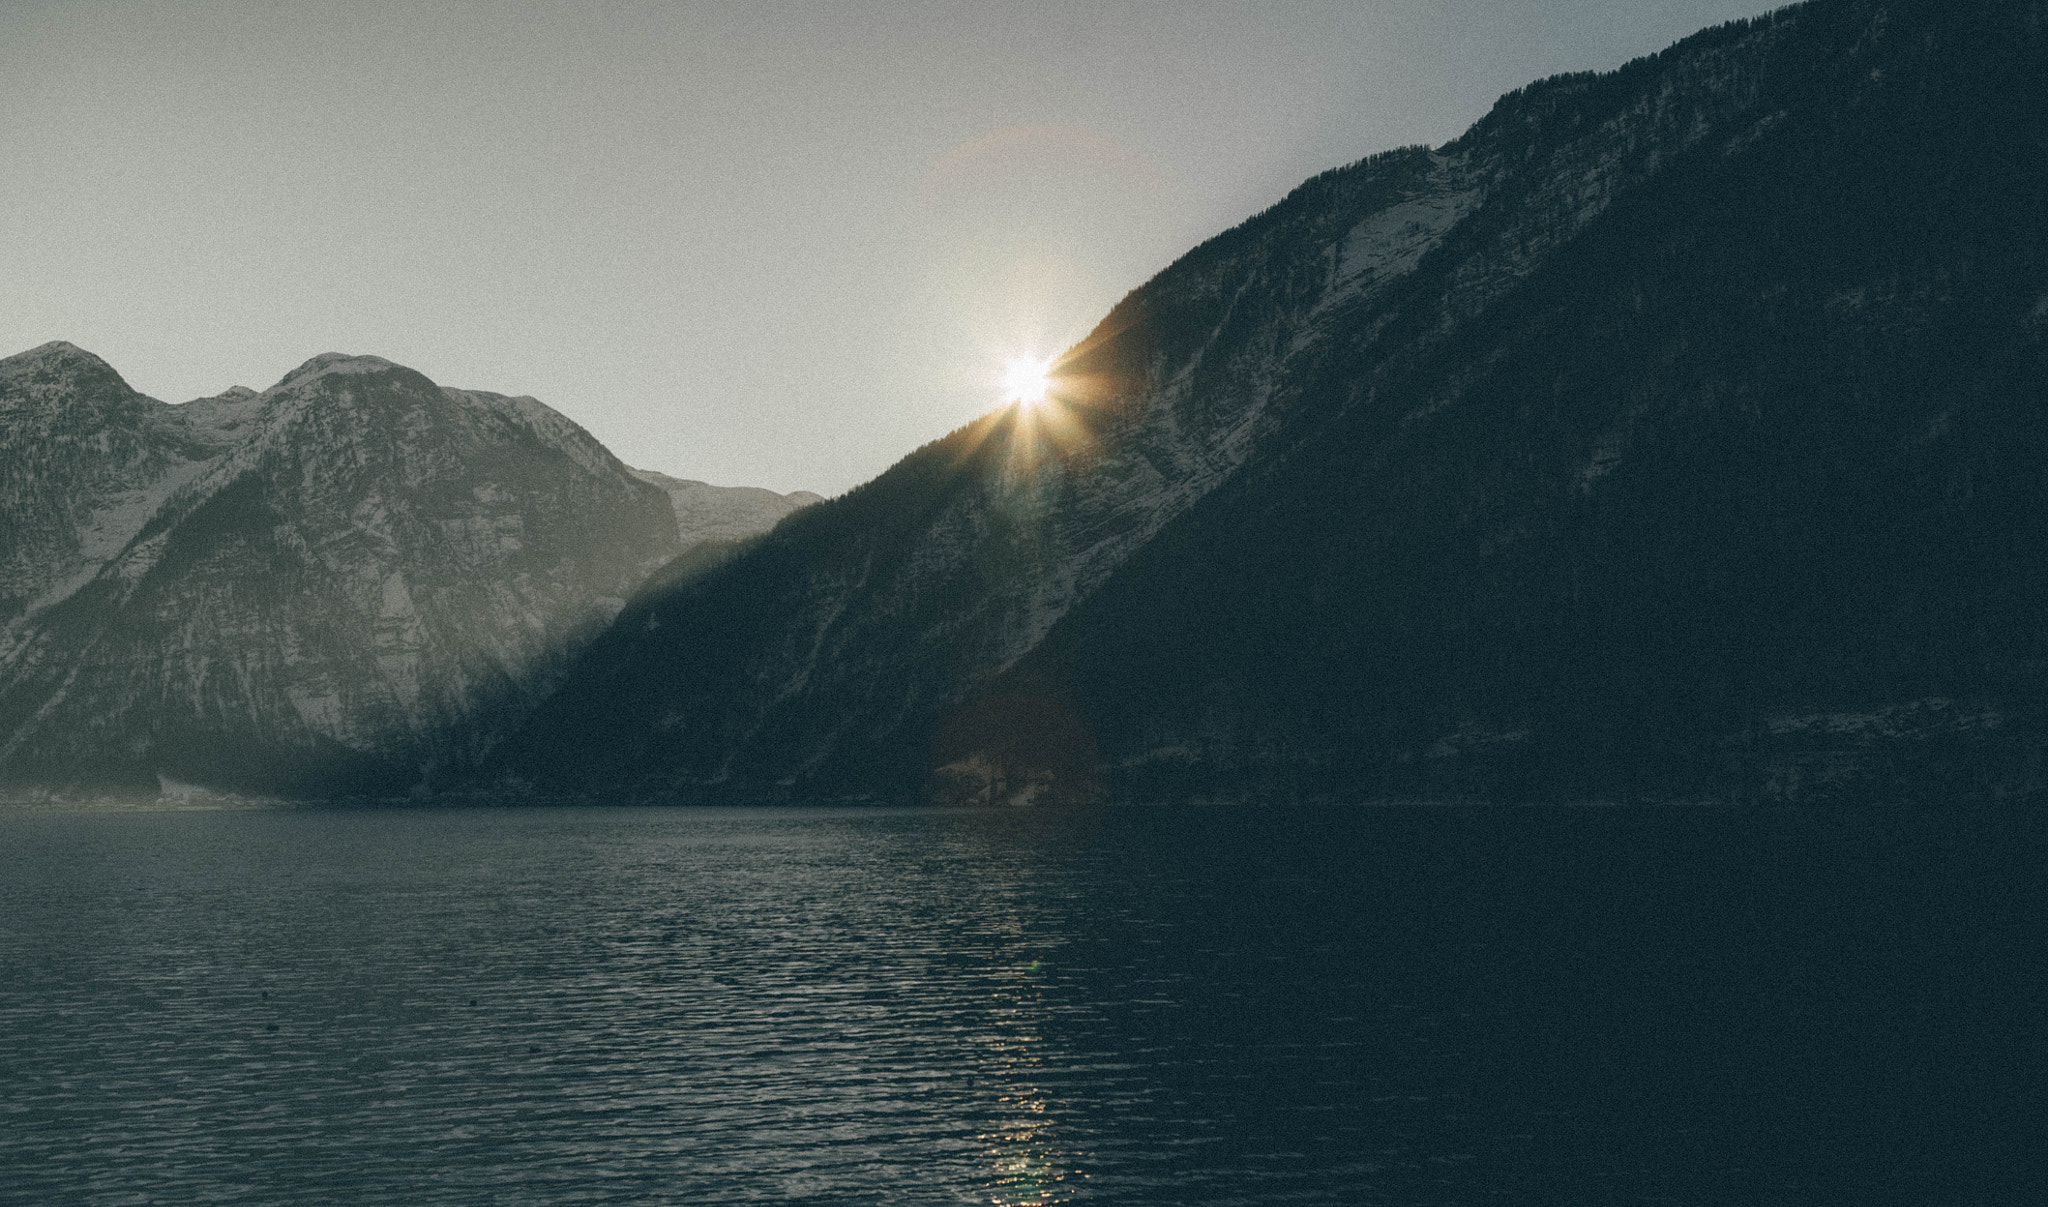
(353, 582)
(1678, 431)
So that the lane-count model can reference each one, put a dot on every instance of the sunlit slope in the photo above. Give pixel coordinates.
(1668, 427)
(353, 581)
(828, 653)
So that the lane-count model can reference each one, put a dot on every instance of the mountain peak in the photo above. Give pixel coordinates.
(57, 353)
(334, 362)
(59, 361)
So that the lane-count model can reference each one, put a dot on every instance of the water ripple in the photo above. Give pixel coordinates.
(534, 1006)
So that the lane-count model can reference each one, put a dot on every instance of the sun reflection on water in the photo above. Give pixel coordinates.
(1027, 1162)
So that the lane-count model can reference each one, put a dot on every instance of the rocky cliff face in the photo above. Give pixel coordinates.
(1662, 410)
(353, 581)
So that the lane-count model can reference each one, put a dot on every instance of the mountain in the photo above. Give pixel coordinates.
(356, 580)
(725, 513)
(1739, 494)
(1677, 430)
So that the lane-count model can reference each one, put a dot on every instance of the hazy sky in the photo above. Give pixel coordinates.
(753, 243)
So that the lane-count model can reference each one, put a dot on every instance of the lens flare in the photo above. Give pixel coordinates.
(1026, 380)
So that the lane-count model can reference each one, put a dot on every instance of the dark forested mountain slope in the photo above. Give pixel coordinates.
(353, 581)
(1679, 429)
(1745, 491)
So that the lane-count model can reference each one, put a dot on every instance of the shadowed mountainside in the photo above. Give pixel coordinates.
(1743, 493)
(1675, 430)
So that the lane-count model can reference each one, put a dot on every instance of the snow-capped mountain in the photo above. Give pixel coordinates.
(354, 580)
(1663, 412)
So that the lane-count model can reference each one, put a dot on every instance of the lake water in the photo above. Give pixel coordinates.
(1144, 1005)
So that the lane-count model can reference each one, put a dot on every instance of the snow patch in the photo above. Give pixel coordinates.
(322, 713)
(111, 528)
(1393, 241)
(397, 601)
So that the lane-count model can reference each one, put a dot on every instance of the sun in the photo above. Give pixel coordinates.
(1026, 380)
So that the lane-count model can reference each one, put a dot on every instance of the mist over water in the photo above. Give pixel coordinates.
(1197, 1005)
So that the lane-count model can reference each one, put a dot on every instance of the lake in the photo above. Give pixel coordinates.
(1126, 1004)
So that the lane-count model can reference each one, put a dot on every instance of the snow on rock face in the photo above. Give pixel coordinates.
(350, 581)
(1389, 243)
(86, 460)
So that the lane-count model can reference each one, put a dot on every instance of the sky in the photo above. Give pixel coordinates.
(766, 244)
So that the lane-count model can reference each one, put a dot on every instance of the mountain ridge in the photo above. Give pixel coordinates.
(954, 616)
(353, 581)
